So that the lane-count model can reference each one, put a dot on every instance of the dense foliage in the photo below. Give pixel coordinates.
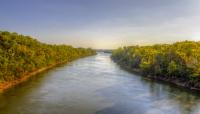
(179, 60)
(22, 54)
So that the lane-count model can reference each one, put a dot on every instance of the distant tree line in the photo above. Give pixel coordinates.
(180, 60)
(21, 54)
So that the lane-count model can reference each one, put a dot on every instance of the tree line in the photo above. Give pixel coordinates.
(180, 60)
(21, 54)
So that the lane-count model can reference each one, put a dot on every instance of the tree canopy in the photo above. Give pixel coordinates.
(178, 60)
(21, 54)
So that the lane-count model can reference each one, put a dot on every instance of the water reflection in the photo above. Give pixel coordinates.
(169, 95)
(96, 85)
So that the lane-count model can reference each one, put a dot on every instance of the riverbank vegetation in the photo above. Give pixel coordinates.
(21, 54)
(178, 63)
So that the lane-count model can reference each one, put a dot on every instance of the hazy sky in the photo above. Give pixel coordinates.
(103, 23)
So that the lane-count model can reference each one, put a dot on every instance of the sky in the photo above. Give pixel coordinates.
(103, 24)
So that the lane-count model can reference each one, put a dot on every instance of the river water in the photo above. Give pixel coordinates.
(96, 85)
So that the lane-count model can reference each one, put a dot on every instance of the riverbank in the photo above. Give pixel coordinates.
(171, 80)
(177, 63)
(23, 56)
(10, 84)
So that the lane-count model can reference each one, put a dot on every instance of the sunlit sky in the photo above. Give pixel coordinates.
(103, 24)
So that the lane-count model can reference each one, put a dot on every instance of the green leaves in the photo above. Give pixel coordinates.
(22, 54)
(181, 59)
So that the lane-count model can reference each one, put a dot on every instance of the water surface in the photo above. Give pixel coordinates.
(96, 85)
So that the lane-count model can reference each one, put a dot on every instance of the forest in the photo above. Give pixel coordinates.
(178, 61)
(20, 54)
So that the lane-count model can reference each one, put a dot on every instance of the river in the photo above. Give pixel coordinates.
(96, 85)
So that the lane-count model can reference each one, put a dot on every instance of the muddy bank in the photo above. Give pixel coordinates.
(9, 84)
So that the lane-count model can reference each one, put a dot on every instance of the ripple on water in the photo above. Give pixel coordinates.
(96, 85)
